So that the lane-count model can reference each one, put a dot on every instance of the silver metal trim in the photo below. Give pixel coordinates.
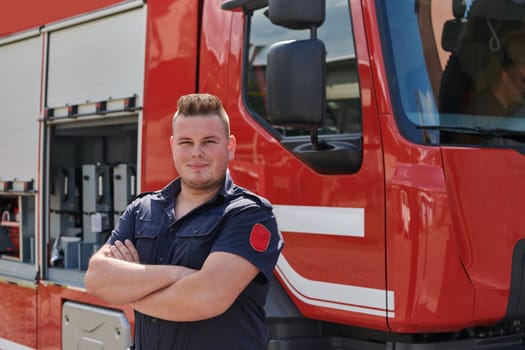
(125, 6)
(19, 36)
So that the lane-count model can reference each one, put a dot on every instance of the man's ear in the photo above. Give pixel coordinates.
(231, 147)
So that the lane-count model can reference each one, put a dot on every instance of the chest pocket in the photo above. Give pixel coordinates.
(146, 240)
(194, 240)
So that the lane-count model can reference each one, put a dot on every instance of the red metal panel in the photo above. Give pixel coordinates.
(18, 313)
(486, 191)
(433, 292)
(17, 16)
(449, 245)
(171, 70)
(213, 56)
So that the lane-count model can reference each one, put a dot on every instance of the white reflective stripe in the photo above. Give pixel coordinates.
(321, 220)
(9, 345)
(369, 301)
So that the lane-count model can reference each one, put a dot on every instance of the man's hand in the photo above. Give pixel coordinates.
(124, 251)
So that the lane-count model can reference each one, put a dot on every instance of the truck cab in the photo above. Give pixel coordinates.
(389, 137)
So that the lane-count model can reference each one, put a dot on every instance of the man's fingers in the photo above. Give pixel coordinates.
(122, 252)
(116, 253)
(132, 251)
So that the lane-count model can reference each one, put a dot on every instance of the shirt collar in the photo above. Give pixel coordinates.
(170, 191)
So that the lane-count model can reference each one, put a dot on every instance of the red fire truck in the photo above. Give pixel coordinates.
(389, 135)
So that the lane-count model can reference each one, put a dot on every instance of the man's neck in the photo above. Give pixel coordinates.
(189, 199)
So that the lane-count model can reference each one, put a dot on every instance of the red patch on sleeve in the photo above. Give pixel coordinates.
(260, 238)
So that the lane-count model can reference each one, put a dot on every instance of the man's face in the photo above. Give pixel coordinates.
(201, 150)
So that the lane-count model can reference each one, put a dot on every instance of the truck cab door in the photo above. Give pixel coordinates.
(328, 197)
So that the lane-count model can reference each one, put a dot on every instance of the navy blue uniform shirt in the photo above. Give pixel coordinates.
(235, 221)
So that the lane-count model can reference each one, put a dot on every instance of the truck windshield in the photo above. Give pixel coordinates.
(456, 69)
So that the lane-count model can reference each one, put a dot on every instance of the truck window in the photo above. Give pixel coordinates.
(343, 113)
(456, 70)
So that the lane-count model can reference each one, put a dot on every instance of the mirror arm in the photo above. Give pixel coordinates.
(317, 145)
(313, 32)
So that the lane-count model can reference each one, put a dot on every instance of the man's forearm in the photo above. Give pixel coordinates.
(181, 301)
(204, 294)
(121, 282)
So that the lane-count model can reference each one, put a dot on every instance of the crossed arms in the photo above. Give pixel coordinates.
(170, 292)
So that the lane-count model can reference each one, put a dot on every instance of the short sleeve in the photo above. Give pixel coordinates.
(253, 234)
(125, 228)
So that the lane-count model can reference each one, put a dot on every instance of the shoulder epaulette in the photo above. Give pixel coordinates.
(258, 198)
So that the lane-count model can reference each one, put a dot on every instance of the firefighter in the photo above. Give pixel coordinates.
(194, 259)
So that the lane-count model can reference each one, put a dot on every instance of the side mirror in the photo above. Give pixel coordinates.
(296, 83)
(296, 70)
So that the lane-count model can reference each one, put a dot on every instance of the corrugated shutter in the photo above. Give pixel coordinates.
(20, 72)
(97, 60)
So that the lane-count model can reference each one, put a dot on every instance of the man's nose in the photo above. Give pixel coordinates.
(197, 151)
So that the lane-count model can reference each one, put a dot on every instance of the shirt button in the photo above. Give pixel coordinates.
(153, 320)
(161, 259)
